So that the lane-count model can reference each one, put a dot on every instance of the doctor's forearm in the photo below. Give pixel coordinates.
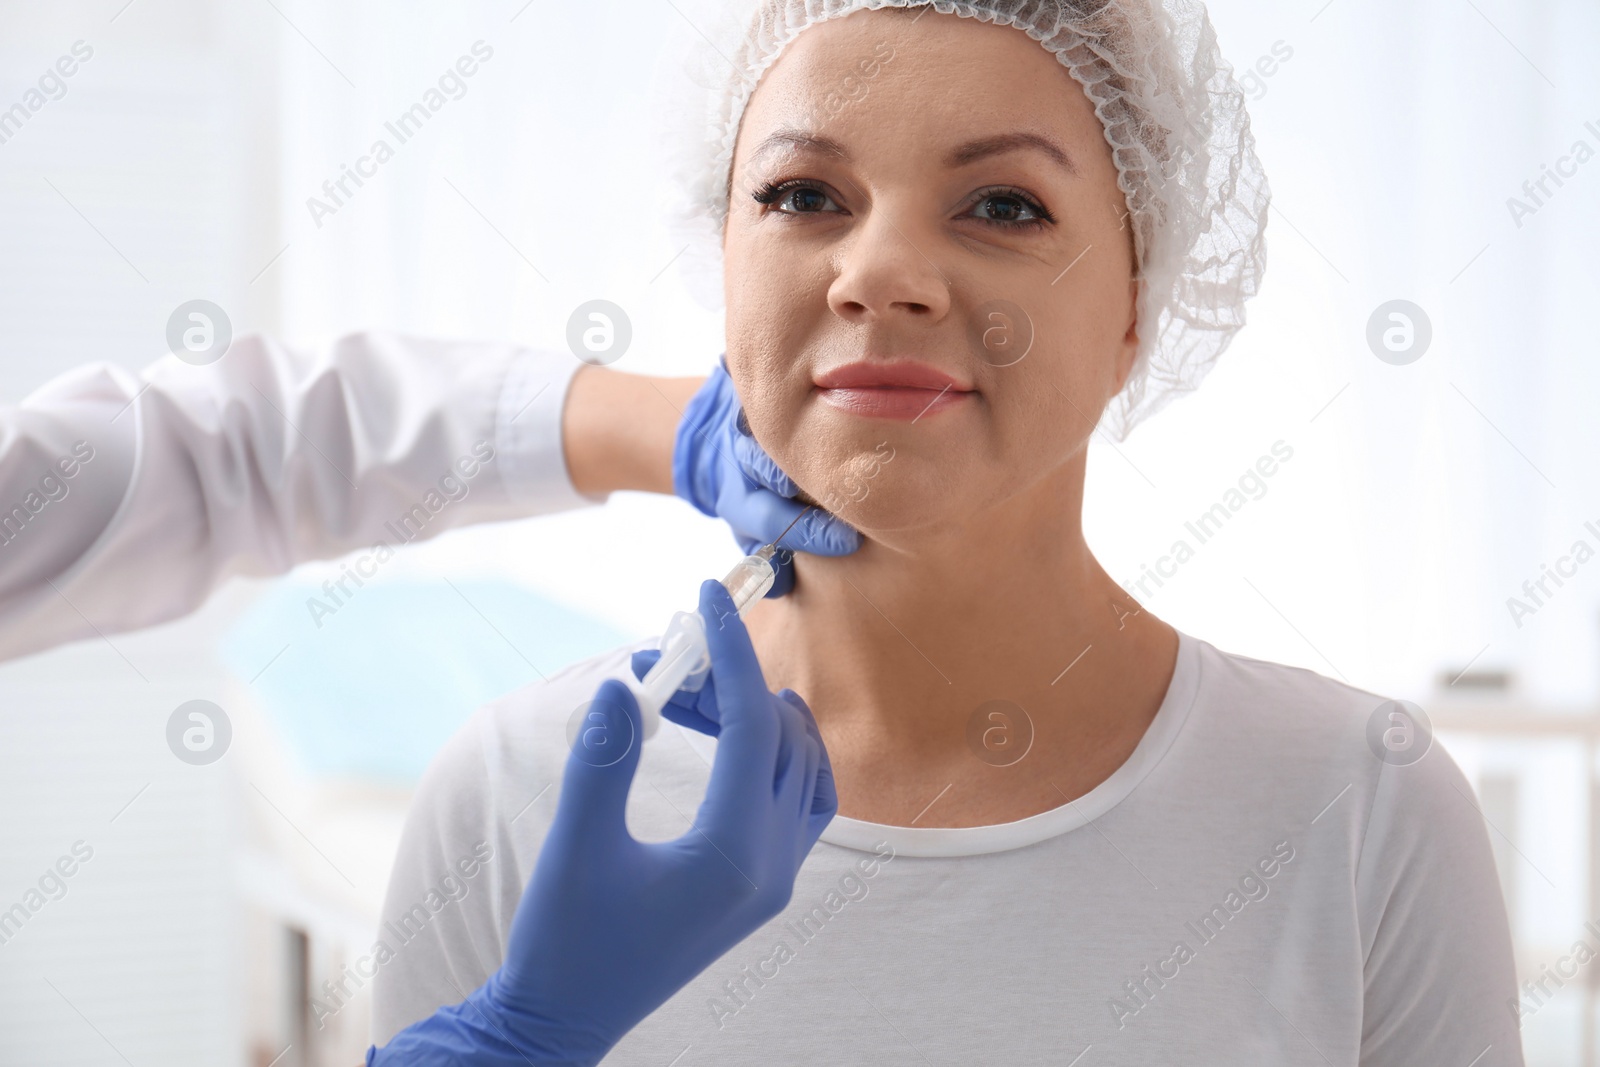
(618, 430)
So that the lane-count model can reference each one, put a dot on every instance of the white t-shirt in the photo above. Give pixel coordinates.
(1253, 886)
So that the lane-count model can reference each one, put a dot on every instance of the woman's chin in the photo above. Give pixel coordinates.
(877, 497)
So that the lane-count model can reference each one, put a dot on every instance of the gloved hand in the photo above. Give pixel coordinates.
(609, 928)
(719, 468)
(697, 711)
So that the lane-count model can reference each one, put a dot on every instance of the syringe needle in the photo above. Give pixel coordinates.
(791, 526)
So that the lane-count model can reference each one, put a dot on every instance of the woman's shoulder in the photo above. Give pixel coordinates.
(1299, 727)
(1263, 690)
(1314, 735)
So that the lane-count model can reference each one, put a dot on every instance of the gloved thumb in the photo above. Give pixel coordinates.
(605, 736)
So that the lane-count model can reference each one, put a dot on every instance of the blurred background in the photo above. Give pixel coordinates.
(1406, 143)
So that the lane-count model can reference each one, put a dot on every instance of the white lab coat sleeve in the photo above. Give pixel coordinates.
(125, 500)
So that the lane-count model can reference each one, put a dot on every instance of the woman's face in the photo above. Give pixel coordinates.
(928, 269)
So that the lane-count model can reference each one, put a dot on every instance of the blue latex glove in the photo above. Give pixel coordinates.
(697, 711)
(610, 928)
(719, 468)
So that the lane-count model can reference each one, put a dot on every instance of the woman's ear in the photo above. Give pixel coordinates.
(1130, 340)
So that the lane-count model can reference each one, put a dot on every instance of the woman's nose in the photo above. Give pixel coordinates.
(884, 271)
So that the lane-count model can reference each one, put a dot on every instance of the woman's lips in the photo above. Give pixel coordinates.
(903, 391)
(894, 403)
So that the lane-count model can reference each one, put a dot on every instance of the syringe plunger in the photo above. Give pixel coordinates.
(685, 660)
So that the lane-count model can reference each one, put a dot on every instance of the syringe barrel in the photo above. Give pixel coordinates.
(750, 579)
(685, 658)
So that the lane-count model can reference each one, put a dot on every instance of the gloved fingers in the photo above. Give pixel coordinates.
(747, 748)
(697, 467)
(824, 803)
(756, 515)
(816, 757)
(808, 719)
(694, 477)
(760, 468)
(813, 762)
(789, 777)
(600, 766)
(684, 708)
(823, 533)
(691, 718)
(759, 515)
(823, 799)
(642, 660)
(782, 574)
(803, 839)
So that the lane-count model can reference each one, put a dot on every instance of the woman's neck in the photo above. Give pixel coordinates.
(897, 648)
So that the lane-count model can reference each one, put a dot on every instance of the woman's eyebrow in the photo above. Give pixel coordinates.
(794, 138)
(984, 147)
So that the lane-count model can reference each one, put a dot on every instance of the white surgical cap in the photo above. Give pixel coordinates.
(1173, 115)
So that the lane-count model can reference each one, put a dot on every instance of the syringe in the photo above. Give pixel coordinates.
(685, 660)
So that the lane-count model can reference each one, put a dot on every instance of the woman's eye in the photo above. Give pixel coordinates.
(1009, 209)
(795, 199)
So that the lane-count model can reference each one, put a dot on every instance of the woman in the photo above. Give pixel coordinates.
(1066, 833)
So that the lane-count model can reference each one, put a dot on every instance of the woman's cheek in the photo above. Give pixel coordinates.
(802, 449)
(828, 468)
(770, 409)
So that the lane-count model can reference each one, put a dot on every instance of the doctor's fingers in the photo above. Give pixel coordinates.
(757, 516)
(819, 532)
(685, 709)
(763, 516)
(819, 789)
(600, 766)
(800, 814)
(813, 765)
(789, 778)
(760, 468)
(751, 729)
(817, 802)
(820, 792)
